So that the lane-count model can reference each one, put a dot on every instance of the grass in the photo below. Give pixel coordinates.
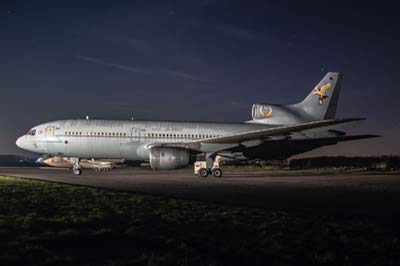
(52, 224)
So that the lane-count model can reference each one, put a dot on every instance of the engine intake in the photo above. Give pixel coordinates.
(168, 158)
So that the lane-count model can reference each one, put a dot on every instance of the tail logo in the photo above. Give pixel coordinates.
(321, 91)
(265, 111)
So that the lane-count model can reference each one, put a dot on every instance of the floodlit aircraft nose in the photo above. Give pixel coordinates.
(20, 142)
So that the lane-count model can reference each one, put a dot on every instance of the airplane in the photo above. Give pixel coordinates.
(276, 132)
(65, 162)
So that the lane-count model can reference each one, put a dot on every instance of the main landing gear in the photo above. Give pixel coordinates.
(201, 169)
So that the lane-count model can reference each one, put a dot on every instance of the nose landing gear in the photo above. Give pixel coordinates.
(77, 171)
(77, 168)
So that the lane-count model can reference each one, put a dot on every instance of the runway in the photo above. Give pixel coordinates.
(351, 195)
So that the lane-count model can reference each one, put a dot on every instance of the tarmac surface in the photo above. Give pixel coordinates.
(375, 196)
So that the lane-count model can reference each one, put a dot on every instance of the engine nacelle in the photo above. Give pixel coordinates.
(276, 114)
(168, 158)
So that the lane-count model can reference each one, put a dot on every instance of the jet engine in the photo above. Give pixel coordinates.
(277, 114)
(168, 158)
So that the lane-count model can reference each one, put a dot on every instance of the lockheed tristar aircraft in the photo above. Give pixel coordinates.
(275, 132)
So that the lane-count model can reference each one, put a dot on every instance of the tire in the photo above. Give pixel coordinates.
(203, 172)
(77, 171)
(217, 172)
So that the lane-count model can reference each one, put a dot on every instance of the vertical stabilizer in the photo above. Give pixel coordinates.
(322, 101)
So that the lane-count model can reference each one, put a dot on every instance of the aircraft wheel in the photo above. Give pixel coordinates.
(203, 172)
(77, 171)
(217, 172)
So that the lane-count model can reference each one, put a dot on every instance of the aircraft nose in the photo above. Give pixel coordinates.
(20, 142)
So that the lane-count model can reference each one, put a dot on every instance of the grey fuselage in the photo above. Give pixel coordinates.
(119, 139)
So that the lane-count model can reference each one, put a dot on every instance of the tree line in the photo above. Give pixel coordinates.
(373, 162)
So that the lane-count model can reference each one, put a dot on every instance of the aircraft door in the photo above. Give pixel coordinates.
(135, 136)
(49, 131)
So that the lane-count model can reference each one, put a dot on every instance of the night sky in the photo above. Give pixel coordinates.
(197, 60)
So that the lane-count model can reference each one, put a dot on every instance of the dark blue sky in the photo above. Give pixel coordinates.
(196, 60)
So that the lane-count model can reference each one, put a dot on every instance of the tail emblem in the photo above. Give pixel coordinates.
(265, 111)
(321, 91)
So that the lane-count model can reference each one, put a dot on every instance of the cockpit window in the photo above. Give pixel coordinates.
(32, 132)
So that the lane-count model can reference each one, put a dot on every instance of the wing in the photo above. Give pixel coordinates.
(276, 131)
(231, 140)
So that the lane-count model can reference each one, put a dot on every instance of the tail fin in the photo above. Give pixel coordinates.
(321, 103)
